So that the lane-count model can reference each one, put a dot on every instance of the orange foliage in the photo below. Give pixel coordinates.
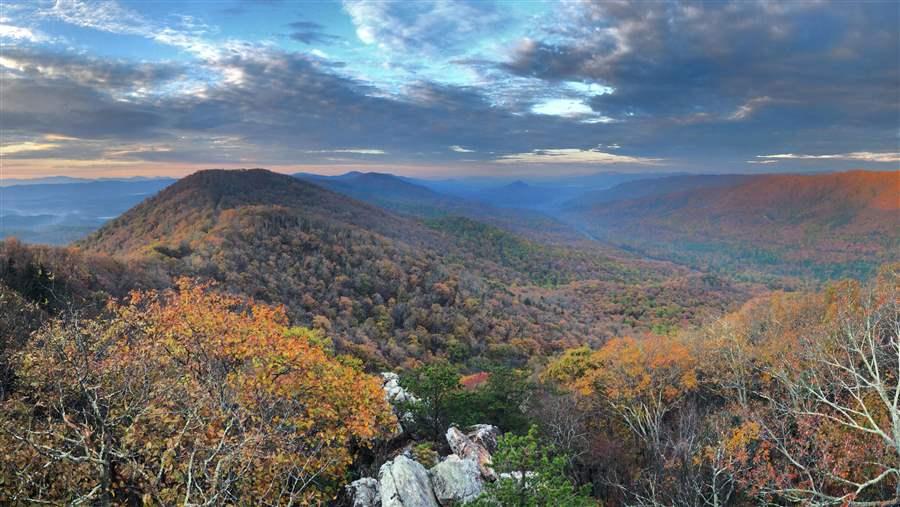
(198, 395)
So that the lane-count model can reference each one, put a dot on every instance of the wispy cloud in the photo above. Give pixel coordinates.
(459, 149)
(748, 108)
(573, 156)
(109, 16)
(863, 156)
(356, 151)
(422, 26)
(20, 33)
(26, 147)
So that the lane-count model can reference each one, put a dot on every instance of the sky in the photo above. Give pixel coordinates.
(447, 87)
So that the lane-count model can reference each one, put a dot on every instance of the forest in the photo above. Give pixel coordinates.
(248, 338)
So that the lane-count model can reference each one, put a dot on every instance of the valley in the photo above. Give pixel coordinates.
(674, 293)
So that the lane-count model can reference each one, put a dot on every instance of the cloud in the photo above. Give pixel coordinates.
(109, 16)
(864, 156)
(105, 16)
(309, 32)
(26, 147)
(356, 151)
(136, 151)
(568, 108)
(675, 61)
(573, 156)
(430, 27)
(747, 109)
(20, 34)
(89, 71)
(683, 84)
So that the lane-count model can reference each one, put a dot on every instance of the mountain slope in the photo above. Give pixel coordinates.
(402, 195)
(646, 188)
(187, 210)
(388, 288)
(390, 192)
(826, 225)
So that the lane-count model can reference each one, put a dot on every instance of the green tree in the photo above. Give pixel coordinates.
(536, 478)
(499, 400)
(439, 398)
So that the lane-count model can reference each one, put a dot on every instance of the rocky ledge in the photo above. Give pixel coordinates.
(457, 479)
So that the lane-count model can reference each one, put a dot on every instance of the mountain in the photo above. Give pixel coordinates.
(49, 180)
(405, 196)
(390, 192)
(820, 225)
(636, 189)
(472, 186)
(56, 180)
(188, 210)
(392, 289)
(543, 193)
(58, 213)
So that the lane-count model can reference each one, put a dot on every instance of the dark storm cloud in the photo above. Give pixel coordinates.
(309, 32)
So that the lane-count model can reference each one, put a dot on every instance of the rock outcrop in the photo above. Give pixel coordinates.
(393, 390)
(485, 435)
(364, 493)
(405, 483)
(456, 481)
(465, 448)
(396, 395)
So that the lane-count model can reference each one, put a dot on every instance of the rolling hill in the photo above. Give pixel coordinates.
(823, 225)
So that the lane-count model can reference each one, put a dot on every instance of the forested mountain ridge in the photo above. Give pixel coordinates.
(194, 203)
(392, 289)
(820, 225)
(414, 198)
(390, 192)
(649, 187)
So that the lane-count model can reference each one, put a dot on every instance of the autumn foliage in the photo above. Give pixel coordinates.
(184, 396)
(793, 398)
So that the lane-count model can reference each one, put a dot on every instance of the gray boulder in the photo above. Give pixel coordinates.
(393, 390)
(485, 435)
(364, 493)
(396, 395)
(456, 481)
(405, 483)
(465, 448)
